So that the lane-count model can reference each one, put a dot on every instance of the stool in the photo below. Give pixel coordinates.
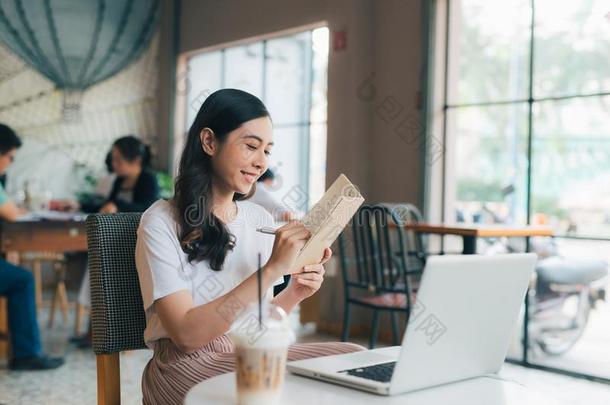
(60, 296)
(81, 311)
(4, 337)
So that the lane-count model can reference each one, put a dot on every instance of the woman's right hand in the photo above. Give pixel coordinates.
(289, 240)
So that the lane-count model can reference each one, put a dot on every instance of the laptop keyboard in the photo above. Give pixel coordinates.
(379, 372)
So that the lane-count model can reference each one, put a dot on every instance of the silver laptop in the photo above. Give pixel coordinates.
(460, 327)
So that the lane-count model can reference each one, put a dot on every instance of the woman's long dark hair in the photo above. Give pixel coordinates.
(203, 236)
(132, 148)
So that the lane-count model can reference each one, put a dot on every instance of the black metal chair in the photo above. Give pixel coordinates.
(117, 311)
(416, 247)
(374, 262)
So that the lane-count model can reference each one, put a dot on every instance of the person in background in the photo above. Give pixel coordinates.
(135, 186)
(134, 190)
(91, 202)
(105, 183)
(263, 197)
(17, 284)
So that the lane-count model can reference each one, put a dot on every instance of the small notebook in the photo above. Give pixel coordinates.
(327, 219)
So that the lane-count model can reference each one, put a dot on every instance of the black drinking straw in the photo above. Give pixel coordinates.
(258, 278)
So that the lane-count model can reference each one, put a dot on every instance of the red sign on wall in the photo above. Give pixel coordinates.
(339, 40)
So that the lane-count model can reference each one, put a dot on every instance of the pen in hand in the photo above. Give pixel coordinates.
(271, 231)
(266, 229)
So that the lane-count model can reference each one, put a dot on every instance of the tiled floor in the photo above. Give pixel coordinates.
(75, 382)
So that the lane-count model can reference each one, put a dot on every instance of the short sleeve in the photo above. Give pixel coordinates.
(3, 195)
(160, 264)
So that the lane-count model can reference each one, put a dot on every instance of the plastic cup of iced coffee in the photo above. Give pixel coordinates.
(261, 350)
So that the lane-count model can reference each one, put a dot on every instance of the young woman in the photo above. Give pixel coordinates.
(197, 254)
(135, 187)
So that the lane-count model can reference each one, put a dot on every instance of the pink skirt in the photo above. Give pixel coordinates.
(171, 373)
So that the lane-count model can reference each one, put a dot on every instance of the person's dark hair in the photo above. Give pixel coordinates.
(132, 148)
(108, 162)
(8, 139)
(203, 236)
(267, 175)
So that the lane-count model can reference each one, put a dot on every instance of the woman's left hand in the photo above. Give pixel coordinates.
(109, 208)
(304, 285)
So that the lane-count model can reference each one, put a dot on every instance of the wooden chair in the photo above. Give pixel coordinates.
(117, 311)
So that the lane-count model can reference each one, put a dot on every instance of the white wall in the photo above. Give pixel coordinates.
(59, 154)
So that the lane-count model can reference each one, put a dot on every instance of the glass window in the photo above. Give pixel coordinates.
(204, 77)
(571, 151)
(528, 142)
(288, 67)
(288, 160)
(243, 68)
(489, 51)
(319, 80)
(491, 162)
(572, 48)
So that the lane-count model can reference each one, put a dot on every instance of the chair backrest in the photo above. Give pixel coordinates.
(415, 244)
(372, 252)
(117, 312)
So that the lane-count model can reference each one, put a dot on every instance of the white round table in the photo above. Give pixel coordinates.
(298, 390)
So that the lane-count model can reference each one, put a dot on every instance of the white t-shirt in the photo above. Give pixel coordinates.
(163, 267)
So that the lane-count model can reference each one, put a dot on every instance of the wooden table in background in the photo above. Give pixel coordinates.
(470, 232)
(60, 236)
